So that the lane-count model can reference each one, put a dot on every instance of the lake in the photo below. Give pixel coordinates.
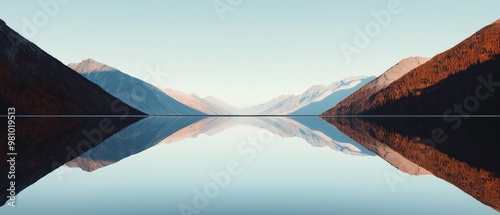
(252, 165)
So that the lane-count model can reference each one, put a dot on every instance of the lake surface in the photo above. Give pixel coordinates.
(255, 165)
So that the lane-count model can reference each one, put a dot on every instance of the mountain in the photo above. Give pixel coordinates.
(225, 106)
(132, 91)
(254, 110)
(397, 71)
(90, 65)
(460, 81)
(36, 83)
(334, 93)
(195, 102)
(356, 100)
(313, 100)
(262, 108)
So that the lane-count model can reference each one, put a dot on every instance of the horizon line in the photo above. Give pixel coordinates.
(256, 115)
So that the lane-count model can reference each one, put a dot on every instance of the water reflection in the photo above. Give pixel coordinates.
(166, 158)
(156, 130)
(44, 144)
(131, 140)
(465, 154)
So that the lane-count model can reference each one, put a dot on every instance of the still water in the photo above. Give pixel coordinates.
(192, 165)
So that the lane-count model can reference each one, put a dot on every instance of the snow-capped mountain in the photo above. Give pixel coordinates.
(137, 93)
(321, 97)
(355, 100)
(397, 71)
(200, 104)
(314, 101)
(332, 95)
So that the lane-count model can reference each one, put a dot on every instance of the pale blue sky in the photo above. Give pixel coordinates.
(262, 48)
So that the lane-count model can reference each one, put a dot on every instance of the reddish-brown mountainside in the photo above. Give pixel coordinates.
(445, 80)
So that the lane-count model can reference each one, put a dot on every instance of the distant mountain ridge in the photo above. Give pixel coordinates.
(289, 105)
(313, 101)
(332, 95)
(197, 103)
(132, 91)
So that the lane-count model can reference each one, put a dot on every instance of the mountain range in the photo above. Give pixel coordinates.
(155, 101)
(133, 91)
(313, 101)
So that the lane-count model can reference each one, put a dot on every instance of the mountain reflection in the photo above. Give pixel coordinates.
(44, 144)
(131, 140)
(464, 154)
(161, 130)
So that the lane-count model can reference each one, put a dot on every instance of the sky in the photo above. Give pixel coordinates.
(246, 52)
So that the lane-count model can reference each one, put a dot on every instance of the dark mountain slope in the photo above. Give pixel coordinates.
(34, 82)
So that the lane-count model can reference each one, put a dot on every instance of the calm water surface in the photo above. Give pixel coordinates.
(175, 165)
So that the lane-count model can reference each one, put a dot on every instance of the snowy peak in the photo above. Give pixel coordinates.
(355, 101)
(314, 91)
(315, 94)
(352, 78)
(90, 65)
(397, 71)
